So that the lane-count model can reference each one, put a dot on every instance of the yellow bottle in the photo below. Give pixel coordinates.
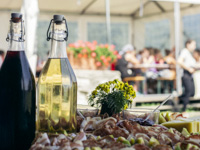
(57, 85)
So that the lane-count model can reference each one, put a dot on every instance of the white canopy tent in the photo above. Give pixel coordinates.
(129, 9)
(30, 11)
(135, 11)
(96, 8)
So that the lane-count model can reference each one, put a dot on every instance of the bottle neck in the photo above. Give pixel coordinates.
(58, 44)
(16, 46)
(15, 36)
(58, 49)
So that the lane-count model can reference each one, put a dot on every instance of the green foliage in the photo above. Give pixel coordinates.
(103, 54)
(115, 95)
(114, 101)
(104, 51)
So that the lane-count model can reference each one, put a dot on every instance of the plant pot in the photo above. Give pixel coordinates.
(102, 68)
(92, 64)
(84, 63)
(76, 63)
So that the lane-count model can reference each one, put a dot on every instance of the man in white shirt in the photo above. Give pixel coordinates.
(187, 62)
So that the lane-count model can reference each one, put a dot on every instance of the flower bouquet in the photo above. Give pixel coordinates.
(113, 97)
(90, 55)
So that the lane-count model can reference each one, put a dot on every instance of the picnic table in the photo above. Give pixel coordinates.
(143, 79)
(147, 66)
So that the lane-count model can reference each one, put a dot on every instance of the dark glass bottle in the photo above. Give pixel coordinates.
(17, 92)
(57, 85)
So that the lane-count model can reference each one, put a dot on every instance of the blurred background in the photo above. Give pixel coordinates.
(102, 31)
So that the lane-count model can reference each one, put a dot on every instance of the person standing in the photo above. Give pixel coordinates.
(187, 62)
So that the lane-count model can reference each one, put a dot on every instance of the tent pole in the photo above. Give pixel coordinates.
(177, 45)
(30, 11)
(108, 21)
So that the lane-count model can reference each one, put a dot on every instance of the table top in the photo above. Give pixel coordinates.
(157, 66)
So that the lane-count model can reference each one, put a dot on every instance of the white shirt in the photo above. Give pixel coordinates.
(187, 57)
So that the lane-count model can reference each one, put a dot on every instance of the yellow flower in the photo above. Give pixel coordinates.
(118, 84)
(131, 100)
(126, 84)
(94, 92)
(110, 82)
(125, 106)
(117, 87)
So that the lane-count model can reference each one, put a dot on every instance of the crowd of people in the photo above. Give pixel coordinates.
(147, 57)
(188, 60)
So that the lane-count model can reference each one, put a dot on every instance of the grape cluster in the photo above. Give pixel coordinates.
(143, 122)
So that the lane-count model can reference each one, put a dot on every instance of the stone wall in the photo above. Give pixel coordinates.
(88, 79)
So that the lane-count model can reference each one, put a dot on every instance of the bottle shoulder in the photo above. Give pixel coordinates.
(57, 70)
(16, 68)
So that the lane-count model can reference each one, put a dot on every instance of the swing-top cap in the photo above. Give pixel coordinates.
(58, 19)
(16, 17)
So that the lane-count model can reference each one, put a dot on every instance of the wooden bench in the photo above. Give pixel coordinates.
(136, 78)
(160, 79)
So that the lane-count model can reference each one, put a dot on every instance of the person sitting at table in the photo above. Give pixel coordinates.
(170, 60)
(158, 56)
(128, 55)
(168, 75)
(196, 55)
(139, 55)
(149, 59)
(149, 72)
(187, 61)
(169, 57)
(147, 56)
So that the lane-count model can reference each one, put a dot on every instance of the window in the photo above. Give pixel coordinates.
(119, 33)
(191, 28)
(43, 46)
(73, 32)
(157, 34)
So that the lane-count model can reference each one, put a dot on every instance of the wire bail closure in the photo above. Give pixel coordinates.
(49, 32)
(20, 39)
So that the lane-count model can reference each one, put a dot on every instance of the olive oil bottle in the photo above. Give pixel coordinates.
(57, 85)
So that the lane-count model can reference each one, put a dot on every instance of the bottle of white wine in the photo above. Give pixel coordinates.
(57, 85)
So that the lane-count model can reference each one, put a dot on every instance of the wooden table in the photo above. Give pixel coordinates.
(156, 66)
(147, 66)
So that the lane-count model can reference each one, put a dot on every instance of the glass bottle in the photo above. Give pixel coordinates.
(17, 92)
(57, 85)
